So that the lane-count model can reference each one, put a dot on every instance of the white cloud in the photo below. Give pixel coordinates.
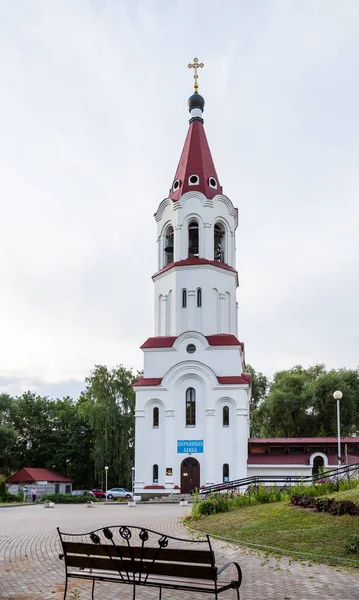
(93, 118)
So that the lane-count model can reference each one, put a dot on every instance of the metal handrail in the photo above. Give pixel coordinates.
(338, 474)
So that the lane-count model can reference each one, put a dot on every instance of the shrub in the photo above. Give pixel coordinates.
(206, 507)
(344, 507)
(303, 501)
(353, 545)
(323, 504)
(67, 499)
(11, 498)
(335, 507)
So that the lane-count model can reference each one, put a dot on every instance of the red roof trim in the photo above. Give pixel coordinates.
(159, 342)
(35, 474)
(235, 379)
(224, 339)
(245, 378)
(221, 339)
(308, 440)
(195, 261)
(196, 159)
(142, 381)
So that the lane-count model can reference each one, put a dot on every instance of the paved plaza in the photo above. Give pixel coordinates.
(30, 568)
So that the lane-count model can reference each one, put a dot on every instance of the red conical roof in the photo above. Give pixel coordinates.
(196, 159)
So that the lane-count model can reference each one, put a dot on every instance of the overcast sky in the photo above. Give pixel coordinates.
(93, 116)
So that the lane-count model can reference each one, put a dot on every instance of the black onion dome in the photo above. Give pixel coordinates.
(196, 101)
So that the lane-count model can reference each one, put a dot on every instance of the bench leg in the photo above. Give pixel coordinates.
(160, 597)
(65, 589)
(93, 590)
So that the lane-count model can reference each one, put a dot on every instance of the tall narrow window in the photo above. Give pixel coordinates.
(155, 473)
(219, 242)
(193, 239)
(156, 417)
(168, 245)
(225, 472)
(199, 297)
(190, 407)
(225, 416)
(184, 298)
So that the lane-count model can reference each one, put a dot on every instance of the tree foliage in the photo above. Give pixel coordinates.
(76, 438)
(109, 405)
(300, 403)
(260, 385)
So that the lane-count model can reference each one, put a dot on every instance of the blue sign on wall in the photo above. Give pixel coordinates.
(189, 446)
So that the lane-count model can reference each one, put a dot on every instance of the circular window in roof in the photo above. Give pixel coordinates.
(191, 348)
(176, 185)
(213, 183)
(193, 180)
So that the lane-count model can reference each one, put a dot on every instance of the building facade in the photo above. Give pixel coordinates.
(192, 402)
(44, 480)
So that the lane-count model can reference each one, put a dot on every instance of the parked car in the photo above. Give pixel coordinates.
(82, 493)
(98, 493)
(119, 493)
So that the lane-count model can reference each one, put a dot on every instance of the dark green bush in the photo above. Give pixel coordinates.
(206, 507)
(10, 498)
(67, 499)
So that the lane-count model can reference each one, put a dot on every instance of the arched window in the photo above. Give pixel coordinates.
(184, 298)
(155, 473)
(199, 297)
(190, 407)
(219, 242)
(156, 417)
(225, 416)
(168, 245)
(193, 239)
(225, 472)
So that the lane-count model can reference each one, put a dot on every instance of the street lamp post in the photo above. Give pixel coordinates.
(106, 469)
(338, 395)
(133, 477)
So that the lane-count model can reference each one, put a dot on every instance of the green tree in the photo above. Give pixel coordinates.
(300, 403)
(108, 403)
(32, 419)
(71, 444)
(8, 459)
(260, 385)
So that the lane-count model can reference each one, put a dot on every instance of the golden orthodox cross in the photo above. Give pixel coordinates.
(195, 66)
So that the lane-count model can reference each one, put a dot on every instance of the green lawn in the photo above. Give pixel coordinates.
(290, 528)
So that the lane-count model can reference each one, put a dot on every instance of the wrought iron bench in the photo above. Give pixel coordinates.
(141, 557)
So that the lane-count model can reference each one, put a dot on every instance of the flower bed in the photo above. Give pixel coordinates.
(330, 505)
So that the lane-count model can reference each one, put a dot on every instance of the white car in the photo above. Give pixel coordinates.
(119, 493)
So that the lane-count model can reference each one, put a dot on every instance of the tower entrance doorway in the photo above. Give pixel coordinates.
(318, 463)
(190, 475)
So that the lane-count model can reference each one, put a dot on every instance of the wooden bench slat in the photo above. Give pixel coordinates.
(127, 565)
(165, 554)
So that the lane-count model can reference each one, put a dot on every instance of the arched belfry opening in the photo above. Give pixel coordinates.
(219, 242)
(193, 239)
(168, 245)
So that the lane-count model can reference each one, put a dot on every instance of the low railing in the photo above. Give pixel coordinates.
(337, 474)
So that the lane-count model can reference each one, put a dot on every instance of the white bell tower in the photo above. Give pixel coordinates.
(192, 404)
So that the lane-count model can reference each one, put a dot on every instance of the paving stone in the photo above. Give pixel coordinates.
(30, 567)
